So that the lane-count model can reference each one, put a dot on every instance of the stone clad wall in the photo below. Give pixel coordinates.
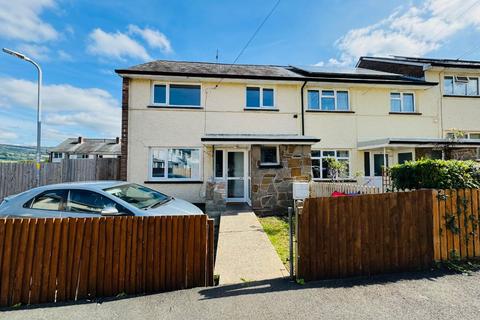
(271, 186)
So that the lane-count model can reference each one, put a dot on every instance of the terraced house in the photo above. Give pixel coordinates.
(244, 133)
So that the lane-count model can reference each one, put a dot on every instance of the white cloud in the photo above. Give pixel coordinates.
(411, 31)
(154, 38)
(20, 20)
(37, 52)
(115, 45)
(62, 55)
(66, 106)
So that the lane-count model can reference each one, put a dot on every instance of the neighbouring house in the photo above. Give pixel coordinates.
(244, 133)
(85, 148)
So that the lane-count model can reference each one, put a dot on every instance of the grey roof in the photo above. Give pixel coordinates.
(343, 70)
(210, 69)
(452, 63)
(89, 146)
(418, 142)
(268, 72)
(265, 138)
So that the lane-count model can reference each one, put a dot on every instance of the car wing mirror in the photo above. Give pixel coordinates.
(110, 211)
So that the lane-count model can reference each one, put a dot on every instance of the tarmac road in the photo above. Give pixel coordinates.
(431, 295)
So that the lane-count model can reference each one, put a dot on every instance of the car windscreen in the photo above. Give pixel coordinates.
(138, 196)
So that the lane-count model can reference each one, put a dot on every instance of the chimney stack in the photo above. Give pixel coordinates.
(80, 139)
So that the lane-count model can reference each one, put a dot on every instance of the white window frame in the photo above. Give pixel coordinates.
(453, 77)
(165, 177)
(167, 94)
(467, 135)
(401, 101)
(320, 96)
(222, 177)
(261, 106)
(270, 163)
(334, 157)
(55, 154)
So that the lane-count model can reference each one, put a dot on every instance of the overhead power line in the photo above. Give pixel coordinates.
(250, 40)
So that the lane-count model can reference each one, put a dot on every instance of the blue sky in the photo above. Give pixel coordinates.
(80, 43)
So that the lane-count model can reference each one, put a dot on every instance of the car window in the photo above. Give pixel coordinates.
(53, 200)
(138, 196)
(86, 201)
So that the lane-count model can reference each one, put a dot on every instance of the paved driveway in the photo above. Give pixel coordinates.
(405, 296)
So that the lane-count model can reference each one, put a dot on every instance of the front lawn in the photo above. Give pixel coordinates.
(277, 230)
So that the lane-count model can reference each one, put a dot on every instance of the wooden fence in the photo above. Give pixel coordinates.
(16, 177)
(325, 189)
(52, 260)
(389, 232)
(364, 235)
(456, 216)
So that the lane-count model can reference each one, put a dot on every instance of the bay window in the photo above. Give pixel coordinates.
(175, 164)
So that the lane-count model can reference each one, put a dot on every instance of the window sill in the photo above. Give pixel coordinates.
(173, 181)
(173, 107)
(331, 111)
(260, 109)
(407, 113)
(270, 166)
(460, 96)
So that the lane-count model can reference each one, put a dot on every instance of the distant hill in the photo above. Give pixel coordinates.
(10, 152)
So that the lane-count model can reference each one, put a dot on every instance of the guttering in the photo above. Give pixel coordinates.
(303, 107)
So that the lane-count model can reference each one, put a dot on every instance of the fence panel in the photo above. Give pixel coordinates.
(52, 260)
(365, 235)
(456, 225)
(16, 177)
(325, 189)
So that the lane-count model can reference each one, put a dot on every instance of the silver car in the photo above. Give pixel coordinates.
(93, 199)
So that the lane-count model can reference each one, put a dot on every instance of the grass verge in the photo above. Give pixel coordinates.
(276, 229)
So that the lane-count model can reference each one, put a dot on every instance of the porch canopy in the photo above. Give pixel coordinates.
(417, 143)
(247, 139)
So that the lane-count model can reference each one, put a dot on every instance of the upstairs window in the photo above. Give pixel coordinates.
(328, 100)
(176, 95)
(402, 102)
(260, 98)
(461, 86)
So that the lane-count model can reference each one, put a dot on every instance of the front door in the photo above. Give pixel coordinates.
(236, 172)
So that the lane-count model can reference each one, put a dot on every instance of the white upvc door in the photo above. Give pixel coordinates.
(237, 176)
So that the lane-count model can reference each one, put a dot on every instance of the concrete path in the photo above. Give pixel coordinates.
(244, 251)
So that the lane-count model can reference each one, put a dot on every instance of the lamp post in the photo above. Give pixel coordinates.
(39, 104)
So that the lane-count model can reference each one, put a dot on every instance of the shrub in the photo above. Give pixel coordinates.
(436, 174)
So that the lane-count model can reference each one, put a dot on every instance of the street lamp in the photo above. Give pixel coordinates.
(39, 104)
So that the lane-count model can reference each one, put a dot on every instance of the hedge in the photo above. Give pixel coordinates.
(436, 174)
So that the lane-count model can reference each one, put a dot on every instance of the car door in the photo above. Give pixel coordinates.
(47, 204)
